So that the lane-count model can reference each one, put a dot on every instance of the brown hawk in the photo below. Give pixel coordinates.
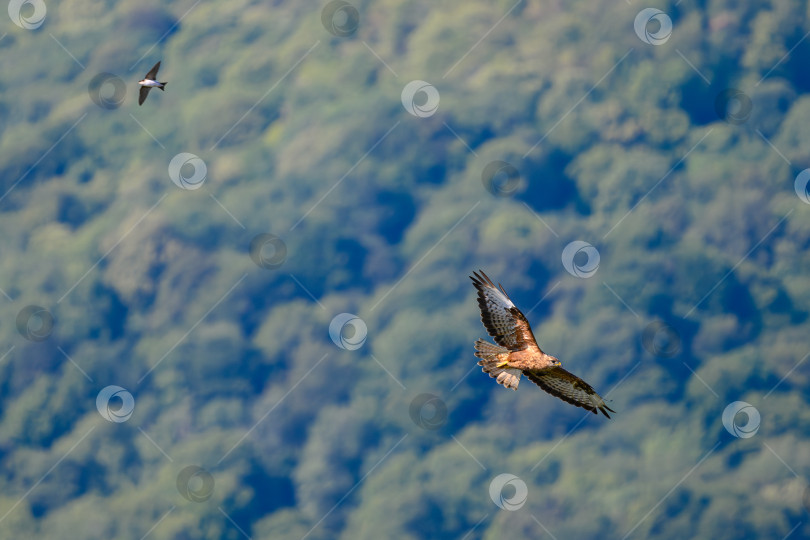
(517, 351)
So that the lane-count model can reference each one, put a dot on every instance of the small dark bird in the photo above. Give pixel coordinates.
(517, 352)
(149, 82)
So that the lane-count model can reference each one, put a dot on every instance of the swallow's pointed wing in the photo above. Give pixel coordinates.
(143, 94)
(153, 72)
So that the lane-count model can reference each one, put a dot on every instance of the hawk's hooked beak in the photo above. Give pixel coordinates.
(557, 363)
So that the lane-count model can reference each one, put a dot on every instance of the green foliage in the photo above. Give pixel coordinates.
(231, 366)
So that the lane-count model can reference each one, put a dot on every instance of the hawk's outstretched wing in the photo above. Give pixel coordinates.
(505, 323)
(568, 387)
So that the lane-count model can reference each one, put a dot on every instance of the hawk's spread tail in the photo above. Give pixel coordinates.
(493, 355)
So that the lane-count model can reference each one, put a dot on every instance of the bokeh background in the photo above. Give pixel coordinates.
(166, 364)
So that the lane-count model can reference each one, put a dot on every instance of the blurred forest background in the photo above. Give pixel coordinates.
(674, 156)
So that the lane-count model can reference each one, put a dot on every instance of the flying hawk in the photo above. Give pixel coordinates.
(149, 82)
(517, 351)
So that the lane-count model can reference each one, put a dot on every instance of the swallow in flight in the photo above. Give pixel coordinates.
(149, 82)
